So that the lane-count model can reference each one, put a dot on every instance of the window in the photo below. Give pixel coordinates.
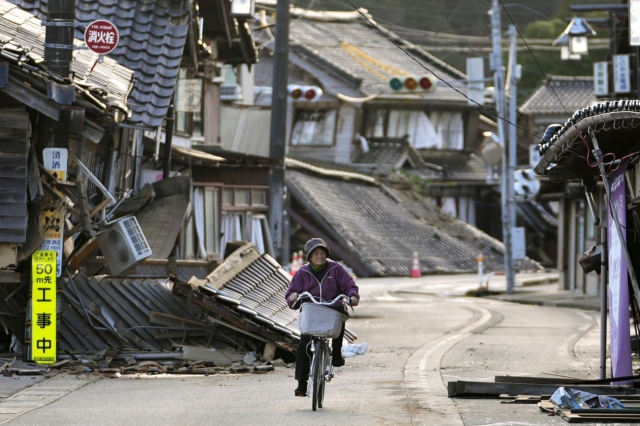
(242, 197)
(314, 127)
(259, 197)
(188, 102)
(223, 214)
(397, 123)
(227, 197)
(450, 128)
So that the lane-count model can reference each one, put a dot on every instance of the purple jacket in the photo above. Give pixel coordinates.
(336, 281)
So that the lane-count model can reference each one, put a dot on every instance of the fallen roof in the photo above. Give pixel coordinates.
(376, 230)
(574, 92)
(152, 39)
(254, 285)
(456, 165)
(390, 151)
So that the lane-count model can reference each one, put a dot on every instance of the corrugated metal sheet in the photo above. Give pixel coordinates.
(243, 129)
(14, 146)
(100, 312)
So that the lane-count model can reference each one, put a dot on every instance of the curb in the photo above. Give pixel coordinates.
(529, 282)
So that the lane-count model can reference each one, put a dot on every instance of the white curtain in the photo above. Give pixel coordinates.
(449, 206)
(450, 127)
(256, 233)
(231, 230)
(416, 124)
(198, 210)
(314, 128)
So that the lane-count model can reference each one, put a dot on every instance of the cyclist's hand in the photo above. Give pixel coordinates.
(293, 297)
(354, 301)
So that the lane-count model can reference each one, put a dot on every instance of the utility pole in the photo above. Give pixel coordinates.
(278, 135)
(512, 79)
(58, 54)
(498, 79)
(58, 46)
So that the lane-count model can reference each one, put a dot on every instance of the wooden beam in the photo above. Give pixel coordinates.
(38, 101)
(463, 388)
(32, 98)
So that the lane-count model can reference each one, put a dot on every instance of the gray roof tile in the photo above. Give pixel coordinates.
(574, 92)
(456, 165)
(152, 38)
(377, 58)
(383, 232)
(25, 31)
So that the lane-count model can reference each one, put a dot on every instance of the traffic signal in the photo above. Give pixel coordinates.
(304, 93)
(413, 83)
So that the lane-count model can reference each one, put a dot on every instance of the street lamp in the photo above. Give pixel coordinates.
(565, 54)
(575, 39)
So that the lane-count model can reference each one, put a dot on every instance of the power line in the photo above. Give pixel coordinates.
(438, 77)
(535, 59)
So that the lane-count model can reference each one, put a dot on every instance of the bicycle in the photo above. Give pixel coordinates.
(323, 324)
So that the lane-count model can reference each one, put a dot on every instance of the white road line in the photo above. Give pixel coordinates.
(424, 382)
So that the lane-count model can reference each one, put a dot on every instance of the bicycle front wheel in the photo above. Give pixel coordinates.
(316, 375)
(324, 370)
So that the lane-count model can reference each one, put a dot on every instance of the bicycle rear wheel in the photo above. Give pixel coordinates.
(316, 374)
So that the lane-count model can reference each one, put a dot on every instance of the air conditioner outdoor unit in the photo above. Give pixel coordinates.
(124, 245)
(229, 92)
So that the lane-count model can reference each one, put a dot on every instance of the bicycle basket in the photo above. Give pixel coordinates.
(318, 320)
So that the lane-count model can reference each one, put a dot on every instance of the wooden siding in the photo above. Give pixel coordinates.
(344, 134)
(14, 154)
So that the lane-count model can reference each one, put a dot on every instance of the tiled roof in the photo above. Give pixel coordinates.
(352, 50)
(566, 154)
(152, 40)
(574, 92)
(254, 285)
(382, 230)
(456, 165)
(103, 86)
(390, 151)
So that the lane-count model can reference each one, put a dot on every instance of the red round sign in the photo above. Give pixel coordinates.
(101, 36)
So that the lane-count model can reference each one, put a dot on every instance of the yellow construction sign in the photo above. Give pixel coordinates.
(43, 307)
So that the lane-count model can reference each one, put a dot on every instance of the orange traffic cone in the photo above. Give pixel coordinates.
(415, 270)
(294, 264)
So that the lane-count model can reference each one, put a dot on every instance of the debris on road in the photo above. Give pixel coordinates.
(574, 400)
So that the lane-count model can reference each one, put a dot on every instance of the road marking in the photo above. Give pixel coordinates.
(424, 382)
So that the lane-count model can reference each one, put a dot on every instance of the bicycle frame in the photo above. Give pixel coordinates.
(321, 370)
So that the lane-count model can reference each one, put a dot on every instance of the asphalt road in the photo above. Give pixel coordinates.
(420, 336)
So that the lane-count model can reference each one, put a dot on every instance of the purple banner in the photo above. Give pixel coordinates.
(619, 281)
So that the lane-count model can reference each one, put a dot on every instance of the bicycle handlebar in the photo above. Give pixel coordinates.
(345, 299)
(318, 302)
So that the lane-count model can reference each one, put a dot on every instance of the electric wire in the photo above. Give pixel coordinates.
(534, 58)
(436, 75)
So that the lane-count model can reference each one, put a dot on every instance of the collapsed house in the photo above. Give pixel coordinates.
(238, 308)
(376, 230)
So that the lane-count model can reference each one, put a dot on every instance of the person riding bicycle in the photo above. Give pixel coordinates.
(325, 279)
